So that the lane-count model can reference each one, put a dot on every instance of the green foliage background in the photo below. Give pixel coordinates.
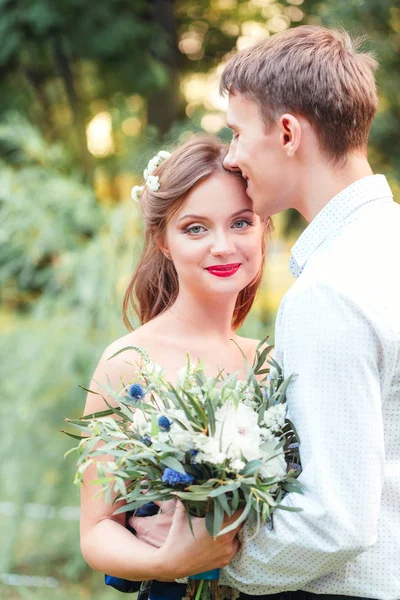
(70, 235)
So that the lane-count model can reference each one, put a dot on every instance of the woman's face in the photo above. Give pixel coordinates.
(215, 238)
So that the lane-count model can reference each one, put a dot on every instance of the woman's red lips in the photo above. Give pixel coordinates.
(223, 270)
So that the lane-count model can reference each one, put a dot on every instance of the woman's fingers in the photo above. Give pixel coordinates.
(191, 549)
(154, 530)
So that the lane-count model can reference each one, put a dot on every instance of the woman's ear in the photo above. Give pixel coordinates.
(290, 135)
(163, 248)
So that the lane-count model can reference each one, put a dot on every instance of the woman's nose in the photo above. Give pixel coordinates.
(223, 246)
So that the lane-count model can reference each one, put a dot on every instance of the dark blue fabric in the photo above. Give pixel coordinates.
(167, 591)
(122, 585)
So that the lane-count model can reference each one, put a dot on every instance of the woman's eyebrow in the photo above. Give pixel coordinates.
(204, 218)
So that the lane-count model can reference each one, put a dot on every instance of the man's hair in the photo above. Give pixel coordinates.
(313, 72)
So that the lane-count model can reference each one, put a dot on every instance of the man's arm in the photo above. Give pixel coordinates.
(335, 404)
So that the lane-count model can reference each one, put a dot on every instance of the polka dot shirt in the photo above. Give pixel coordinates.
(338, 329)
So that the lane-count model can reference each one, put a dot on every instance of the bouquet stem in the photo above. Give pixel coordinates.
(203, 586)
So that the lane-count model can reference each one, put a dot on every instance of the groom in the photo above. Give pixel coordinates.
(300, 108)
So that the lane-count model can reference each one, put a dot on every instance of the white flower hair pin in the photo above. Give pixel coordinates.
(151, 181)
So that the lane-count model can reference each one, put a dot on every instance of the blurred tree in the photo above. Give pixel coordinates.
(135, 69)
(379, 24)
(56, 59)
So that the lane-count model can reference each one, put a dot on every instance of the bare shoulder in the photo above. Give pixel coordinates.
(249, 346)
(117, 367)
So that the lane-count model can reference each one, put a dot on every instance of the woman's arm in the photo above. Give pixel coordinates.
(109, 547)
(106, 544)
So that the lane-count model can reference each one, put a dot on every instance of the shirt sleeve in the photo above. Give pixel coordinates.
(335, 403)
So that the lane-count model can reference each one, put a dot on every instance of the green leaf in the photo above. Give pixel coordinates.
(137, 349)
(154, 426)
(201, 413)
(211, 415)
(240, 520)
(219, 514)
(266, 497)
(289, 508)
(235, 499)
(173, 463)
(89, 391)
(223, 501)
(71, 450)
(181, 403)
(252, 467)
(191, 496)
(225, 488)
(262, 372)
(290, 487)
(96, 415)
(261, 358)
(119, 412)
(210, 516)
(74, 436)
(150, 497)
(245, 361)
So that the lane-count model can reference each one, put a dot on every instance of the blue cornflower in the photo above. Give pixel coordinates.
(164, 423)
(193, 452)
(136, 392)
(146, 439)
(175, 478)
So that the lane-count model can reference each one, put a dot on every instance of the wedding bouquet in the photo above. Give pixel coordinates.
(217, 444)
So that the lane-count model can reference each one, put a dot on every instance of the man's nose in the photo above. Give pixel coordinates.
(229, 162)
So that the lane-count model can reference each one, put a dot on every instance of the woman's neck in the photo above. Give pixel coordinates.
(205, 316)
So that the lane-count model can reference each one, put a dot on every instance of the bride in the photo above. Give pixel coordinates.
(195, 282)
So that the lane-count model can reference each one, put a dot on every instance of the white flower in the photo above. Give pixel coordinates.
(179, 415)
(209, 450)
(163, 436)
(237, 436)
(137, 192)
(153, 182)
(153, 370)
(183, 440)
(163, 154)
(274, 467)
(155, 162)
(237, 465)
(274, 417)
(239, 431)
(267, 434)
(273, 373)
(151, 167)
(140, 423)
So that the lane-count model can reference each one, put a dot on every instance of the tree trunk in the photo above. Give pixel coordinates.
(165, 105)
(64, 68)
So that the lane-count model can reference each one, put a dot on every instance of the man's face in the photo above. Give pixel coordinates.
(258, 155)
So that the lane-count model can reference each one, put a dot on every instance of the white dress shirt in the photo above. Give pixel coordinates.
(338, 328)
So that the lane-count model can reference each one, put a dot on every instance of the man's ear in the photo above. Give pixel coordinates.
(290, 133)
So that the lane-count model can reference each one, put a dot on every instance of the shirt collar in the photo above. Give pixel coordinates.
(367, 189)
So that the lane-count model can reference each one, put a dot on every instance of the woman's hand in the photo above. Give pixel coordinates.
(185, 553)
(154, 530)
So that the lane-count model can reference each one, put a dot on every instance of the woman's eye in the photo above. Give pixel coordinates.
(242, 224)
(195, 229)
